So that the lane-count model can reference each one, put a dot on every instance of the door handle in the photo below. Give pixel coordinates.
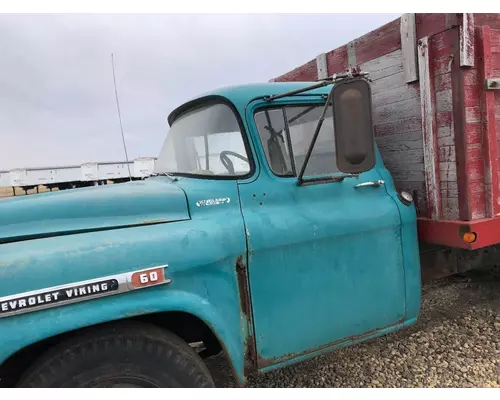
(378, 183)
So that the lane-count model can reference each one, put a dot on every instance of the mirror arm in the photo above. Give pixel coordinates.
(298, 91)
(300, 179)
(349, 74)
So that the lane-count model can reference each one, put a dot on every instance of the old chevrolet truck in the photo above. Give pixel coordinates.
(284, 219)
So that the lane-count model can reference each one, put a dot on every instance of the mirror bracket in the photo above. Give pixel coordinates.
(352, 74)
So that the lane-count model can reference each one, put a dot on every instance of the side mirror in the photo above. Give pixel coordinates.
(352, 116)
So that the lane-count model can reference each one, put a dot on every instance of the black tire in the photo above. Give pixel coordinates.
(122, 354)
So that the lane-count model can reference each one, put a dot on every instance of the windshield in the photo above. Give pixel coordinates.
(205, 141)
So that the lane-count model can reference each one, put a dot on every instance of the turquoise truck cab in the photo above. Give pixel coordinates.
(251, 237)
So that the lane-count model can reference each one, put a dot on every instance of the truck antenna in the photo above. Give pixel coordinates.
(119, 115)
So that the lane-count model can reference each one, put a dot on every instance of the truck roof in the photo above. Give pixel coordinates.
(241, 95)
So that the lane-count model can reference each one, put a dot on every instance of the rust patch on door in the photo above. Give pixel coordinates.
(266, 362)
(250, 363)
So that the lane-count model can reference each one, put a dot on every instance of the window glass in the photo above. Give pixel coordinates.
(301, 122)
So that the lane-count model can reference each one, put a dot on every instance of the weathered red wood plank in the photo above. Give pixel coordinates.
(450, 207)
(490, 164)
(497, 110)
(447, 171)
(445, 140)
(444, 101)
(472, 114)
(476, 187)
(336, 60)
(477, 193)
(472, 96)
(445, 131)
(475, 169)
(409, 156)
(412, 124)
(386, 66)
(304, 73)
(477, 205)
(495, 40)
(490, 19)
(495, 60)
(471, 77)
(442, 82)
(407, 108)
(381, 41)
(447, 154)
(442, 43)
(474, 151)
(473, 133)
(442, 65)
(451, 63)
(429, 24)
(392, 96)
(449, 189)
(401, 142)
(444, 119)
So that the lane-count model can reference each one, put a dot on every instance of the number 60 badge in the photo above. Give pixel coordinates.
(149, 277)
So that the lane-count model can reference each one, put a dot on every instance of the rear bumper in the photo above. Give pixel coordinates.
(450, 233)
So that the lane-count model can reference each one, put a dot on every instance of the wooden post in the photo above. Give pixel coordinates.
(351, 54)
(409, 47)
(429, 129)
(321, 66)
(467, 41)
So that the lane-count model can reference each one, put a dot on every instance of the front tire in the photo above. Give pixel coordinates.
(124, 354)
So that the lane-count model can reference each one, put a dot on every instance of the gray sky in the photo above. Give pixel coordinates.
(57, 104)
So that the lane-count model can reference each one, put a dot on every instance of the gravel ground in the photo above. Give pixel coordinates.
(456, 343)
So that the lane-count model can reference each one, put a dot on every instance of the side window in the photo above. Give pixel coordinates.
(271, 127)
(296, 124)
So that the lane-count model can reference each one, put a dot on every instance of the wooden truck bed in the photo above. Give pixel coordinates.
(436, 122)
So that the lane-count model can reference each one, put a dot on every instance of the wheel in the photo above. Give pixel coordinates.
(120, 355)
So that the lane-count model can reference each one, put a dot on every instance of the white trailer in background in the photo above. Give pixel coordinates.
(61, 177)
(143, 166)
(5, 179)
(101, 172)
(68, 177)
(89, 172)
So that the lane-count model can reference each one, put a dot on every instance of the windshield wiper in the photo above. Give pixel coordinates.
(167, 174)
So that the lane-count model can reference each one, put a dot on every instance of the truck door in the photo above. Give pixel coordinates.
(325, 260)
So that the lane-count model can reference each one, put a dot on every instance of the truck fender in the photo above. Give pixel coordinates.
(29, 329)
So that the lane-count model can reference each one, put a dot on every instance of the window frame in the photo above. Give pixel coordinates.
(280, 106)
(210, 101)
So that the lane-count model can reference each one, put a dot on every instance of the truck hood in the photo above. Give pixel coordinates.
(152, 201)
